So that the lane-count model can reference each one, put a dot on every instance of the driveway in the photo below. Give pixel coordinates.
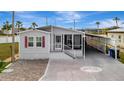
(70, 70)
(25, 71)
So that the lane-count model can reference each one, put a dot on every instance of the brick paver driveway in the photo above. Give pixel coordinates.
(25, 71)
(70, 69)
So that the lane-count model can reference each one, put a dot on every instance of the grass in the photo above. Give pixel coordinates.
(5, 50)
(121, 57)
(3, 65)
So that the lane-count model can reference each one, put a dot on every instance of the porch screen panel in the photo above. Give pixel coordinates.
(77, 41)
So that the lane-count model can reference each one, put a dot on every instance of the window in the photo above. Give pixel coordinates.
(30, 41)
(119, 38)
(38, 41)
(69, 40)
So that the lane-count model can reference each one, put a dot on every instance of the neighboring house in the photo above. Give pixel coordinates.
(56, 38)
(117, 34)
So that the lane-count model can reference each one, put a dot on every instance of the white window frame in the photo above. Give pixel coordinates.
(38, 41)
(31, 41)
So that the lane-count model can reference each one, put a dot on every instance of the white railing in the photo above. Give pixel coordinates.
(74, 53)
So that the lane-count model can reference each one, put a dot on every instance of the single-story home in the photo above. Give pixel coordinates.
(37, 44)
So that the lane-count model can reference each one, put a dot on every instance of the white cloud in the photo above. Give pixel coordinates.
(68, 16)
(23, 14)
(106, 23)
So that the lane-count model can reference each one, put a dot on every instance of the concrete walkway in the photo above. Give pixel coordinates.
(66, 70)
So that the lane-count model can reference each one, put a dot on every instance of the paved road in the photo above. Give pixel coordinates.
(67, 70)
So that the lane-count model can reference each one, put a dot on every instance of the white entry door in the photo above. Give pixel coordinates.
(58, 42)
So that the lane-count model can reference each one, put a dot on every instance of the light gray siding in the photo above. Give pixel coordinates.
(34, 52)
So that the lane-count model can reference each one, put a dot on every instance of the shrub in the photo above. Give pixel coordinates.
(3, 65)
(121, 57)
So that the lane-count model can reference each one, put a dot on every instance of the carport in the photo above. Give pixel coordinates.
(96, 66)
(99, 43)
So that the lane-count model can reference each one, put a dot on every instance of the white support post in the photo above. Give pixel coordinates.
(72, 42)
(105, 46)
(73, 45)
(52, 47)
(63, 42)
(84, 46)
(115, 49)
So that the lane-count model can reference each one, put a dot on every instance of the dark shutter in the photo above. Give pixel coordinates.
(26, 41)
(43, 41)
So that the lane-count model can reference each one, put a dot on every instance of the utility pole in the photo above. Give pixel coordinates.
(74, 24)
(55, 22)
(13, 38)
(46, 21)
(98, 29)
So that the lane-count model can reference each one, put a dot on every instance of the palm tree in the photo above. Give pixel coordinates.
(18, 25)
(34, 25)
(98, 23)
(6, 26)
(116, 19)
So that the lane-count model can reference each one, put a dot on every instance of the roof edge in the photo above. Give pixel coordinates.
(34, 30)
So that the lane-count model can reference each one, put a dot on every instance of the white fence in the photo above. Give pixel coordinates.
(8, 39)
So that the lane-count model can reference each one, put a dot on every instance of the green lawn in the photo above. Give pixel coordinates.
(5, 50)
(3, 65)
(121, 57)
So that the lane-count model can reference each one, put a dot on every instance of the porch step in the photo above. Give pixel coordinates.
(59, 55)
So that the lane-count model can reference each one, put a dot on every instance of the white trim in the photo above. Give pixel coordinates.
(34, 42)
(45, 71)
(72, 41)
(43, 31)
(31, 41)
(63, 39)
(60, 43)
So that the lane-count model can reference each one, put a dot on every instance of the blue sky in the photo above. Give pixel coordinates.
(84, 19)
